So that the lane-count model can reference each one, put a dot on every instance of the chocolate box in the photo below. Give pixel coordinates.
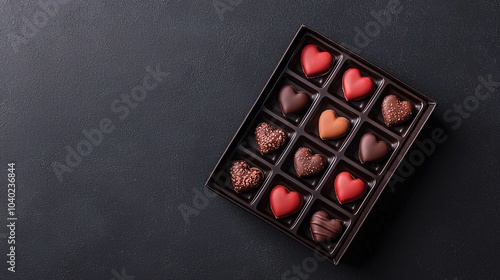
(318, 193)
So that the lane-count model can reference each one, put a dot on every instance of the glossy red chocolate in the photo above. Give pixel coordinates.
(347, 188)
(284, 202)
(356, 86)
(314, 62)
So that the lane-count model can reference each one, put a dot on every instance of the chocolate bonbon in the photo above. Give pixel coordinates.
(284, 202)
(323, 228)
(355, 86)
(347, 188)
(316, 67)
(372, 150)
(244, 178)
(269, 138)
(308, 164)
(395, 111)
(292, 101)
(332, 127)
(314, 62)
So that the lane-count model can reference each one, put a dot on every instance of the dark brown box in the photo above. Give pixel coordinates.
(317, 192)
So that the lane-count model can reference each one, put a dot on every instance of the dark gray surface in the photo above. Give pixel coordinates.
(118, 209)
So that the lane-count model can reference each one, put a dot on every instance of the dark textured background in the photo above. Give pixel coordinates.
(119, 208)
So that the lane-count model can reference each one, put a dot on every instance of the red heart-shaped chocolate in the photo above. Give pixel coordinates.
(355, 86)
(347, 188)
(314, 62)
(284, 202)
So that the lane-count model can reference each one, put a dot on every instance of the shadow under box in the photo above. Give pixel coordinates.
(273, 104)
(403, 95)
(336, 86)
(352, 151)
(328, 188)
(296, 65)
(250, 143)
(305, 227)
(328, 104)
(288, 165)
(265, 207)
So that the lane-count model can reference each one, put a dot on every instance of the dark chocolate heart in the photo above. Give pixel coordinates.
(323, 228)
(371, 150)
(292, 101)
(268, 138)
(243, 177)
(394, 111)
(306, 163)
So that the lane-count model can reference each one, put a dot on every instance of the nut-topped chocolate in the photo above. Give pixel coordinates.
(395, 111)
(244, 177)
(269, 138)
(308, 164)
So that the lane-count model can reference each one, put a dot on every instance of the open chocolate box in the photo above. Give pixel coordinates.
(317, 193)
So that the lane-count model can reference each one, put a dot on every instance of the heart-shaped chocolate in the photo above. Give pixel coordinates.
(347, 188)
(323, 228)
(371, 150)
(306, 163)
(292, 101)
(355, 86)
(284, 202)
(332, 127)
(314, 62)
(395, 111)
(243, 177)
(268, 138)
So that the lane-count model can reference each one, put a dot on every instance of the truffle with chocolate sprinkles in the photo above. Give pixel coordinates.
(268, 138)
(306, 163)
(395, 111)
(243, 177)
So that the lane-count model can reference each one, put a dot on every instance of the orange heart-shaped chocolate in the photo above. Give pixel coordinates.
(332, 127)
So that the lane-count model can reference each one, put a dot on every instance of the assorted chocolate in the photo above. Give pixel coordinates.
(269, 138)
(314, 62)
(324, 198)
(372, 150)
(323, 228)
(244, 177)
(396, 111)
(332, 127)
(347, 188)
(284, 202)
(355, 86)
(291, 101)
(308, 164)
